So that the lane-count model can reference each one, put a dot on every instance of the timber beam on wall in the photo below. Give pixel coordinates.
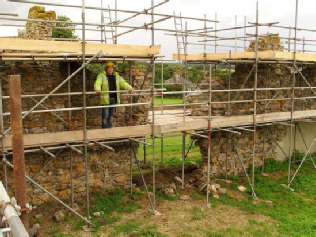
(46, 139)
(262, 55)
(62, 48)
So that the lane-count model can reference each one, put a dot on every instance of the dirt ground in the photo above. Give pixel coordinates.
(179, 218)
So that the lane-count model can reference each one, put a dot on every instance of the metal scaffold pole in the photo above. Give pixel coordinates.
(161, 139)
(153, 108)
(130, 81)
(4, 155)
(70, 151)
(255, 100)
(235, 33)
(293, 93)
(209, 138)
(84, 109)
(183, 86)
(245, 33)
(215, 48)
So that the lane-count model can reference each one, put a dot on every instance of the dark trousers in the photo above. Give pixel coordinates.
(107, 115)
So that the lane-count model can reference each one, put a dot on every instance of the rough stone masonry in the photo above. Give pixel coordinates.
(107, 170)
(223, 153)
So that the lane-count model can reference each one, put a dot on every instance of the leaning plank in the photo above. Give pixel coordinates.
(263, 55)
(76, 47)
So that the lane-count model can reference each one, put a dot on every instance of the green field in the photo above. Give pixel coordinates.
(167, 101)
(172, 151)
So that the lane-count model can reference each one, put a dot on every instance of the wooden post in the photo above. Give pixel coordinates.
(18, 145)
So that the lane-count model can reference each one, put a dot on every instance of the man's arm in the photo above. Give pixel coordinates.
(125, 85)
(98, 83)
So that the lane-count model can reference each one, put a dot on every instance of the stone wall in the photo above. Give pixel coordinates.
(244, 146)
(269, 76)
(107, 169)
(43, 77)
(272, 42)
(38, 30)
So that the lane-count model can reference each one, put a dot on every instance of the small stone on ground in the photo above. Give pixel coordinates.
(96, 214)
(222, 191)
(59, 216)
(185, 197)
(241, 188)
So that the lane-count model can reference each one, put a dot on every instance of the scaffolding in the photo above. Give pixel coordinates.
(204, 129)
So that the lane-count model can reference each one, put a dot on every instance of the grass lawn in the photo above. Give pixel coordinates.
(167, 101)
(172, 151)
(234, 214)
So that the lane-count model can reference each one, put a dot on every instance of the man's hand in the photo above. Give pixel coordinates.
(98, 91)
(131, 90)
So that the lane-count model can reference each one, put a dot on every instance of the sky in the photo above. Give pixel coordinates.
(282, 11)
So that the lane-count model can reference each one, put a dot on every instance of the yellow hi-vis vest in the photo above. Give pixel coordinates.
(102, 83)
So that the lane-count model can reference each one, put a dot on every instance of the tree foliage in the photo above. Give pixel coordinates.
(64, 33)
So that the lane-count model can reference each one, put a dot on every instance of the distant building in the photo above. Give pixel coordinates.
(176, 80)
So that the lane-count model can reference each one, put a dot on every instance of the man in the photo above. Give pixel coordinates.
(107, 81)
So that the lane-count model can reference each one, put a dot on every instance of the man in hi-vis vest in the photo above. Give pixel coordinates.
(106, 81)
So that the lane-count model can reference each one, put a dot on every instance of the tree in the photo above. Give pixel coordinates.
(64, 33)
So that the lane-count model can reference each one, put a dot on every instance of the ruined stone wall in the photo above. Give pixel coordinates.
(272, 42)
(38, 30)
(244, 145)
(107, 170)
(43, 77)
(269, 76)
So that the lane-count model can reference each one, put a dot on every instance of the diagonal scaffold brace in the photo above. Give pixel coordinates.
(243, 166)
(53, 196)
(144, 182)
(302, 162)
(57, 88)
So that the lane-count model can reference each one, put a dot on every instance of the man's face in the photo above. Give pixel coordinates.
(109, 70)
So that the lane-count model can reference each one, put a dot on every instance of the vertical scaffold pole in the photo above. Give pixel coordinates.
(70, 152)
(289, 42)
(130, 81)
(227, 150)
(186, 81)
(161, 143)
(245, 33)
(209, 127)
(84, 107)
(255, 100)
(153, 105)
(215, 32)
(235, 33)
(162, 78)
(293, 93)
(115, 42)
(102, 23)
(18, 145)
(4, 155)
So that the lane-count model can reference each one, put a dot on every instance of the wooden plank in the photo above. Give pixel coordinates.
(245, 55)
(45, 139)
(219, 122)
(76, 47)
